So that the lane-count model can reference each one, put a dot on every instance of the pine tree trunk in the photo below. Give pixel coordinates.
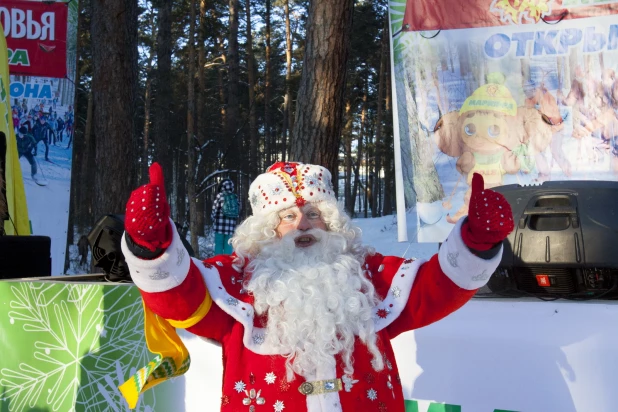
(180, 187)
(87, 172)
(375, 212)
(146, 131)
(389, 163)
(114, 87)
(233, 142)
(253, 134)
(288, 76)
(221, 86)
(161, 132)
(319, 109)
(191, 138)
(359, 150)
(267, 91)
(148, 101)
(347, 143)
(367, 190)
(201, 116)
(78, 202)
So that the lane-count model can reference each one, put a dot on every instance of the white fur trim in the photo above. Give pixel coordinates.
(253, 338)
(395, 301)
(463, 267)
(163, 273)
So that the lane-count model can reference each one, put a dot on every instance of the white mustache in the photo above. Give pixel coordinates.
(318, 234)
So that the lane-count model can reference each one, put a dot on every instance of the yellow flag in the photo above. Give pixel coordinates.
(19, 223)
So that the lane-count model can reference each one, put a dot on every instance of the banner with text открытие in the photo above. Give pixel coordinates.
(520, 92)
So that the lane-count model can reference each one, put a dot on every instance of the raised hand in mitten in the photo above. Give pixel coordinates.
(490, 219)
(147, 214)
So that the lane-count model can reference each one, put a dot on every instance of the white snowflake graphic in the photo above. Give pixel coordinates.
(348, 382)
(85, 342)
(276, 189)
(372, 394)
(311, 181)
(270, 378)
(279, 406)
(396, 292)
(181, 255)
(239, 386)
(254, 200)
(258, 339)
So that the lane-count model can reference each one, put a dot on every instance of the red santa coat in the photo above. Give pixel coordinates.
(413, 294)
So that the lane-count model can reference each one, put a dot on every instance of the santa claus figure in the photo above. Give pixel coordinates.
(304, 312)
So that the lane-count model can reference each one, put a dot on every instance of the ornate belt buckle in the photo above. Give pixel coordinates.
(306, 388)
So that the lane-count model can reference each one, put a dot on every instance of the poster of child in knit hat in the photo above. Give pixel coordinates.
(520, 92)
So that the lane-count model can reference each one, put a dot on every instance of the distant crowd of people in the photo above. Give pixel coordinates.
(36, 125)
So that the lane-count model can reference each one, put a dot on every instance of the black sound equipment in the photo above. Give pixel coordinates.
(25, 256)
(564, 243)
(104, 240)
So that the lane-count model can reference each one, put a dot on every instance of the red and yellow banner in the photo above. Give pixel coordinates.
(36, 35)
(462, 14)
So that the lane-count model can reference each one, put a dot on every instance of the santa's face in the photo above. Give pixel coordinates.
(302, 220)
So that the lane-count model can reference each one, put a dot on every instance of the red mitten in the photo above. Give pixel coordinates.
(490, 219)
(147, 214)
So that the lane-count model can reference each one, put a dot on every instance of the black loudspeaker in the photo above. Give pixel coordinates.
(105, 244)
(24, 256)
(104, 240)
(564, 241)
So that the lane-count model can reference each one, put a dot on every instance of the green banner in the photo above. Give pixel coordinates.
(67, 347)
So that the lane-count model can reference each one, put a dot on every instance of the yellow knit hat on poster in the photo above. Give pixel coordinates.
(493, 96)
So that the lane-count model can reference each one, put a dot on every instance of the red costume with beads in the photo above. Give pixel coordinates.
(412, 294)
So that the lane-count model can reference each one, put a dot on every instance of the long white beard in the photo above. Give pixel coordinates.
(317, 299)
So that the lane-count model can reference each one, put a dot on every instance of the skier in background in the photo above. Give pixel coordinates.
(25, 146)
(42, 132)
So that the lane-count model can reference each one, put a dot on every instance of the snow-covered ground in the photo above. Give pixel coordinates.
(381, 233)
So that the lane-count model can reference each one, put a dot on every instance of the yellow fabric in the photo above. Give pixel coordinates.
(196, 317)
(172, 355)
(491, 172)
(19, 224)
(493, 96)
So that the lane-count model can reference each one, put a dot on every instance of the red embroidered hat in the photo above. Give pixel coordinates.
(287, 184)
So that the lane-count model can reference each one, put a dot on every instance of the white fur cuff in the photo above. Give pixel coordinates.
(463, 267)
(163, 273)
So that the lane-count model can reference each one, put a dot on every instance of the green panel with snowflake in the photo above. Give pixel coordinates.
(70, 345)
